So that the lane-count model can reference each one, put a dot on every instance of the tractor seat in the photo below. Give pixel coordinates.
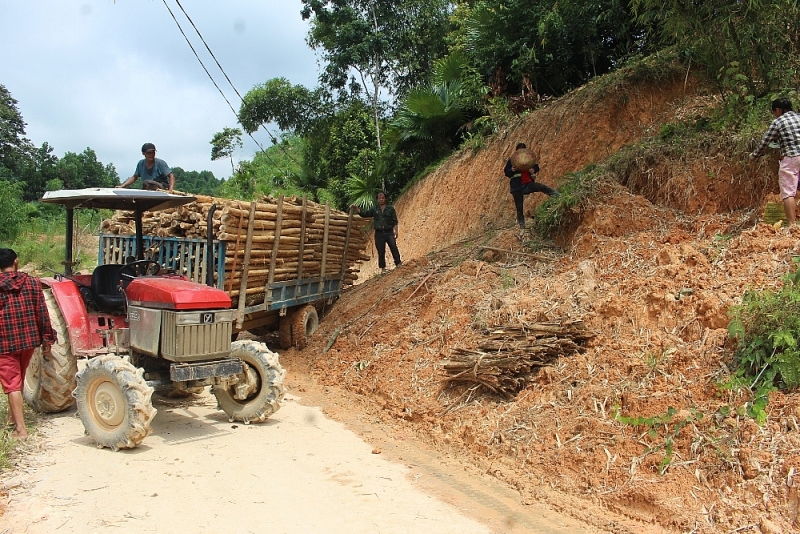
(105, 287)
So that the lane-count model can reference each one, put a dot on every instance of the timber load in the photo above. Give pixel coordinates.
(267, 240)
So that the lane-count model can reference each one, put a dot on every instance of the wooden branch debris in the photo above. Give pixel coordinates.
(505, 360)
(421, 284)
(538, 257)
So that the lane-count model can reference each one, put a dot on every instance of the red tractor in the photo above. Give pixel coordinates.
(138, 329)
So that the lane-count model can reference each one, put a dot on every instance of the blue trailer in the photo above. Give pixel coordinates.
(291, 307)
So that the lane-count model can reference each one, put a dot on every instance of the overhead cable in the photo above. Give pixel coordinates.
(261, 124)
(212, 78)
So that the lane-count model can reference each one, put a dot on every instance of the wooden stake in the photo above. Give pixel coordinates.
(246, 266)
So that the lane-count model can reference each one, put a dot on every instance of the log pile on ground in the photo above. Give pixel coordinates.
(325, 233)
(505, 360)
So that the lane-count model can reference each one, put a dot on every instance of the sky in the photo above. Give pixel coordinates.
(114, 74)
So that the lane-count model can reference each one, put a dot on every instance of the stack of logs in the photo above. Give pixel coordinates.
(505, 361)
(230, 224)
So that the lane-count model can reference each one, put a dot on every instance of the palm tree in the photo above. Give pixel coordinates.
(434, 113)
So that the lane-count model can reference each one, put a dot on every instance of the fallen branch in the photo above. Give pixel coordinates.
(420, 285)
(527, 254)
(332, 339)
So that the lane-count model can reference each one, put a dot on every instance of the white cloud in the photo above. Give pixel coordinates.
(113, 75)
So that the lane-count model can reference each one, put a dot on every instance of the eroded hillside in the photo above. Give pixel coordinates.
(633, 433)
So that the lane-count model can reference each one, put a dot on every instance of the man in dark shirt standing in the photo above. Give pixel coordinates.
(384, 220)
(24, 326)
(154, 172)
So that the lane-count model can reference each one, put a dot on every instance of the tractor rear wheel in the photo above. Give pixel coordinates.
(261, 393)
(49, 381)
(305, 322)
(114, 402)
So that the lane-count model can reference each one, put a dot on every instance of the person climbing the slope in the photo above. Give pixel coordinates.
(523, 179)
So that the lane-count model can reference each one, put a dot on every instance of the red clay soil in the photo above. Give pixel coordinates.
(651, 268)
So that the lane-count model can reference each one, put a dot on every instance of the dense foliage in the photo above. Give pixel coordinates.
(749, 47)
(546, 46)
(199, 183)
(404, 83)
(767, 329)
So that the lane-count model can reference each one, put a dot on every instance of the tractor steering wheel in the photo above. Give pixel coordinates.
(138, 268)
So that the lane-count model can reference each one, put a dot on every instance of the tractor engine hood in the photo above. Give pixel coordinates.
(175, 294)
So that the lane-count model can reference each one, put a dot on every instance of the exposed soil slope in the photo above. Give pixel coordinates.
(651, 266)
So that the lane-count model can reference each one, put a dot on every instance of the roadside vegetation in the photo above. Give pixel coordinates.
(404, 84)
(9, 445)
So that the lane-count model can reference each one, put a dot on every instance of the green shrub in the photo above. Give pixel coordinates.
(574, 190)
(12, 209)
(766, 326)
(41, 240)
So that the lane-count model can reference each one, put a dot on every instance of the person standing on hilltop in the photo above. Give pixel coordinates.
(384, 220)
(785, 128)
(24, 326)
(154, 172)
(523, 182)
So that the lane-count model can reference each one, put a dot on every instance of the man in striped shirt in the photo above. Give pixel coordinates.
(785, 129)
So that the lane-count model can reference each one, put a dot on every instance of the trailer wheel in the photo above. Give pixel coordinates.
(285, 332)
(261, 393)
(114, 402)
(305, 322)
(49, 381)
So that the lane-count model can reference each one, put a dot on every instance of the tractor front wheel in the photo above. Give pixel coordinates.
(259, 394)
(114, 402)
(49, 380)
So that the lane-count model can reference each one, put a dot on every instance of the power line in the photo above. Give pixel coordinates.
(198, 57)
(272, 137)
(261, 148)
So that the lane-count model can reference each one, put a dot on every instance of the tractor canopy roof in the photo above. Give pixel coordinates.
(115, 199)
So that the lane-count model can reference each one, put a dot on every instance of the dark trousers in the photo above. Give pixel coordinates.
(527, 189)
(383, 238)
(153, 185)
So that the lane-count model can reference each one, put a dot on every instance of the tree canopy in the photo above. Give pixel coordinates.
(405, 82)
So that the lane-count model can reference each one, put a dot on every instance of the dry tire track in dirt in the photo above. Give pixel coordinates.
(298, 472)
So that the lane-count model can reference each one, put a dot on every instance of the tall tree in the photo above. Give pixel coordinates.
(389, 44)
(224, 143)
(77, 171)
(294, 108)
(14, 147)
(40, 168)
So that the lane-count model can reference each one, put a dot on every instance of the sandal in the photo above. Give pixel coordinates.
(16, 436)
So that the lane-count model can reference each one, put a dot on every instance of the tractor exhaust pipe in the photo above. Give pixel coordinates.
(210, 258)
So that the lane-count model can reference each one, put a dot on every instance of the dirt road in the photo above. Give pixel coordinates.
(299, 472)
